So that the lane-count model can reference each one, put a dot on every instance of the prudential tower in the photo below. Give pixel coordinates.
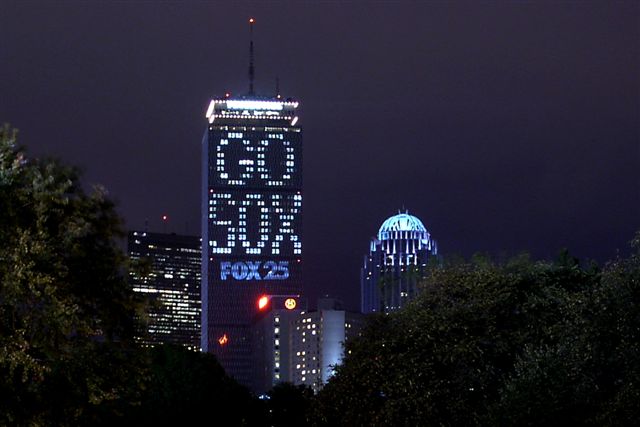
(251, 216)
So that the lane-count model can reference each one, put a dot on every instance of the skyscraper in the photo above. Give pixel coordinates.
(397, 260)
(251, 217)
(172, 284)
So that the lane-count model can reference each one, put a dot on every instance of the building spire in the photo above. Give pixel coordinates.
(251, 69)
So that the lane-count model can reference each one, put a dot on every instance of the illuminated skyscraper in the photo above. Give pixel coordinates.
(251, 218)
(172, 283)
(317, 342)
(397, 260)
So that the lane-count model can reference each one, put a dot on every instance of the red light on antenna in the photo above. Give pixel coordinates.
(263, 302)
(165, 217)
(251, 20)
(226, 95)
(223, 340)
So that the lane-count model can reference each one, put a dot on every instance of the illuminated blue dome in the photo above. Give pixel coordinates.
(401, 222)
(402, 245)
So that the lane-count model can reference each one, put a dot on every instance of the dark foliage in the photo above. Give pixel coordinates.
(187, 387)
(66, 310)
(512, 343)
(288, 405)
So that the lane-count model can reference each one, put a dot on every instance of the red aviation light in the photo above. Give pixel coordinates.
(223, 340)
(290, 303)
(263, 302)
(251, 20)
(165, 217)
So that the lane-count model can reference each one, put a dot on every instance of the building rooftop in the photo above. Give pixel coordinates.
(401, 222)
(253, 108)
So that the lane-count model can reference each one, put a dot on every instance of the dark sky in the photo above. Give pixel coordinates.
(504, 126)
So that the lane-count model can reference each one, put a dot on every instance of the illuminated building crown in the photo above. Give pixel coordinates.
(400, 222)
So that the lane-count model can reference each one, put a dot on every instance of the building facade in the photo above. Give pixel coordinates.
(397, 260)
(169, 275)
(272, 340)
(251, 219)
(317, 342)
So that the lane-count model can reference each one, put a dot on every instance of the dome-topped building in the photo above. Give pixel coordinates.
(401, 222)
(397, 260)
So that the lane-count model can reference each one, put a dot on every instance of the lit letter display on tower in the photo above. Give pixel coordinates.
(251, 218)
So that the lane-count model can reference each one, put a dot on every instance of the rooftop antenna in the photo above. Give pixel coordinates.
(251, 70)
(165, 219)
(277, 87)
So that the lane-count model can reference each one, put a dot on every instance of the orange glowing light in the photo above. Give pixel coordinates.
(223, 340)
(263, 302)
(290, 303)
(251, 20)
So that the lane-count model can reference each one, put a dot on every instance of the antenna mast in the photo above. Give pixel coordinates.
(251, 70)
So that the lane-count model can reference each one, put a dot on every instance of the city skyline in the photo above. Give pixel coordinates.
(504, 127)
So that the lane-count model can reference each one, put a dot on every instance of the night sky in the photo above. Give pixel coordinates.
(503, 126)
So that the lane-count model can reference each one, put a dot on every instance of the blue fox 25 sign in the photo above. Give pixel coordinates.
(254, 270)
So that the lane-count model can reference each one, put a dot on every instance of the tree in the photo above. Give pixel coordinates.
(66, 310)
(184, 386)
(445, 359)
(288, 405)
(591, 374)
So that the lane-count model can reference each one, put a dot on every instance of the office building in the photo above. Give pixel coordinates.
(168, 273)
(272, 340)
(251, 217)
(397, 260)
(317, 342)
